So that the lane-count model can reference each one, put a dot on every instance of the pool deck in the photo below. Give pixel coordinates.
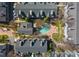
(6, 32)
(53, 29)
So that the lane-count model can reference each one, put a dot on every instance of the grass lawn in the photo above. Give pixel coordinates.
(58, 36)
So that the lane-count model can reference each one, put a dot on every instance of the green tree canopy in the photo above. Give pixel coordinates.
(3, 38)
(58, 36)
(46, 19)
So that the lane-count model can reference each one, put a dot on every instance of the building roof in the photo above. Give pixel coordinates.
(2, 14)
(25, 28)
(74, 34)
(31, 46)
(38, 10)
(2, 50)
(27, 24)
(31, 5)
(77, 20)
(27, 31)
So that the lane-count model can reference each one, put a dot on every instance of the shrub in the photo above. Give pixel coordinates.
(3, 38)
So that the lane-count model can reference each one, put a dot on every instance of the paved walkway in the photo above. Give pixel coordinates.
(6, 32)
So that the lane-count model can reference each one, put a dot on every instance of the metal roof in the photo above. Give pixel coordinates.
(25, 28)
(28, 47)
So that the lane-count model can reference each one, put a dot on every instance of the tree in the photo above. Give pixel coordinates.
(26, 19)
(55, 37)
(46, 19)
(59, 50)
(58, 36)
(3, 38)
(39, 23)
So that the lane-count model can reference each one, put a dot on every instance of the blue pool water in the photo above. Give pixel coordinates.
(44, 29)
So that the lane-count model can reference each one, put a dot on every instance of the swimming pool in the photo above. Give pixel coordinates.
(44, 29)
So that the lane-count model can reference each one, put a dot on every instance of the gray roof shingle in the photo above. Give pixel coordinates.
(25, 28)
(27, 47)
